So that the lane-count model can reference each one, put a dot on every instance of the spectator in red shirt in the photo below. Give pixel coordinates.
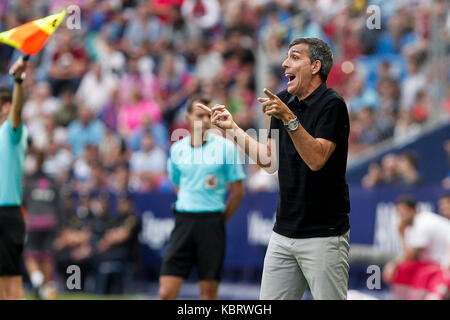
(68, 64)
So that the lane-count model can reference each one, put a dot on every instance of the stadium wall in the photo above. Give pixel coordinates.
(373, 222)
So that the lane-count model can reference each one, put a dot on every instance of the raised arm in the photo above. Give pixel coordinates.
(18, 98)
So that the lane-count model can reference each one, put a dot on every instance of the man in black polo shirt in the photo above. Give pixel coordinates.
(309, 130)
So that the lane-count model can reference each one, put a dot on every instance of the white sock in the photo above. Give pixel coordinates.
(37, 278)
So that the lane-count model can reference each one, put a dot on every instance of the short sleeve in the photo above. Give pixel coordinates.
(234, 170)
(417, 237)
(173, 171)
(15, 134)
(333, 123)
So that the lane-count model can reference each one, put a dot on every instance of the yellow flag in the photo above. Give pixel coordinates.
(32, 36)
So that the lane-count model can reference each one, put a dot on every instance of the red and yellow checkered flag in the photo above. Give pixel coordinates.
(31, 36)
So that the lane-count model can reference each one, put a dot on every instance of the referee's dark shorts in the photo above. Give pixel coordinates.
(12, 237)
(197, 239)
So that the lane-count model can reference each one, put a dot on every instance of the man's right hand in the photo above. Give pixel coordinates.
(18, 67)
(221, 117)
(389, 271)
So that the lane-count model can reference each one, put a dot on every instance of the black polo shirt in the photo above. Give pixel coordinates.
(313, 203)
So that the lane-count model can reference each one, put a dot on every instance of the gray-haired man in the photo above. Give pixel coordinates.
(310, 241)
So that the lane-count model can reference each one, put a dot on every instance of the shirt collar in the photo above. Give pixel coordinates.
(312, 98)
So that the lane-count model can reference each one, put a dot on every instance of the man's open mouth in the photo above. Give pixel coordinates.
(290, 76)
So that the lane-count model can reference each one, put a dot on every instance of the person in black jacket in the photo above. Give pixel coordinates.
(42, 202)
(118, 249)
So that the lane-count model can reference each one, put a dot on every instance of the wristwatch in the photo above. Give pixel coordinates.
(292, 124)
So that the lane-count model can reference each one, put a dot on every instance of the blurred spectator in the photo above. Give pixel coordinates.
(147, 165)
(395, 170)
(82, 167)
(119, 180)
(181, 32)
(110, 112)
(162, 8)
(118, 250)
(425, 240)
(68, 64)
(444, 205)
(421, 108)
(58, 161)
(69, 109)
(50, 132)
(374, 176)
(175, 83)
(111, 149)
(157, 130)
(389, 91)
(390, 169)
(96, 182)
(446, 181)
(361, 97)
(40, 105)
(368, 130)
(204, 13)
(274, 82)
(136, 82)
(405, 127)
(84, 130)
(131, 114)
(42, 202)
(98, 81)
(73, 243)
(407, 168)
(209, 62)
(414, 82)
(143, 27)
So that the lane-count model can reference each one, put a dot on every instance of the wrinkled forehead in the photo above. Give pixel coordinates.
(300, 48)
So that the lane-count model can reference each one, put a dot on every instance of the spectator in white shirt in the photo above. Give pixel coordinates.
(413, 83)
(40, 104)
(96, 87)
(424, 235)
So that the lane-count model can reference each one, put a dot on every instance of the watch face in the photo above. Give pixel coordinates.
(293, 125)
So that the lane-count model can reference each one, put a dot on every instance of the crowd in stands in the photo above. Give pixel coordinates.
(110, 94)
(401, 170)
(394, 170)
(103, 100)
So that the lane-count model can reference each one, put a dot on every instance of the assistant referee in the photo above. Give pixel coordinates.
(13, 144)
(200, 166)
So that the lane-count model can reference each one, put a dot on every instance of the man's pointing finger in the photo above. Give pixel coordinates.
(270, 94)
(201, 105)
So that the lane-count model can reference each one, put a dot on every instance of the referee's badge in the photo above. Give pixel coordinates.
(211, 181)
